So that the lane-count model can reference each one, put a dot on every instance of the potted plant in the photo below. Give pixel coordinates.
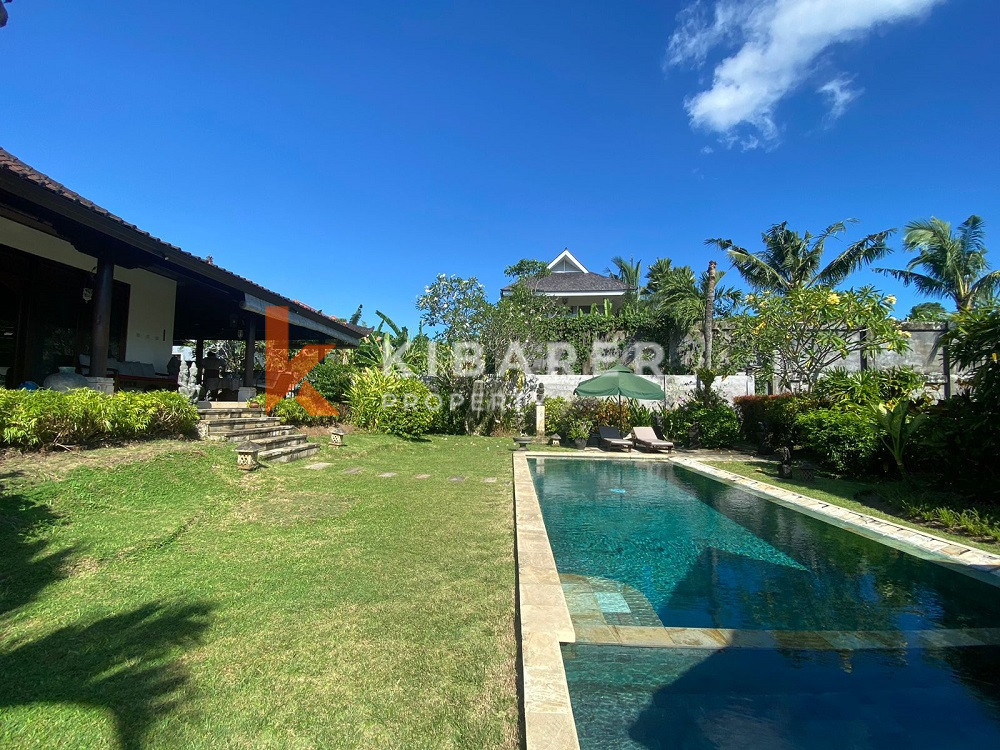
(579, 432)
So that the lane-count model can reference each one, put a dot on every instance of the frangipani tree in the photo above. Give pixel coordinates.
(797, 335)
(789, 261)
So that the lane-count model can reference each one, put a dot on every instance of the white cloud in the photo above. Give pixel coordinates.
(776, 44)
(839, 93)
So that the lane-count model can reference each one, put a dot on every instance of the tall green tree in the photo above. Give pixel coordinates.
(928, 312)
(948, 264)
(790, 261)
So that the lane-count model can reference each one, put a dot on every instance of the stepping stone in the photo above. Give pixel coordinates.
(355, 470)
(318, 466)
(422, 476)
(456, 479)
(490, 480)
(387, 474)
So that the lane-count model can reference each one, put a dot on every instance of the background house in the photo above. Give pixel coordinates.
(574, 286)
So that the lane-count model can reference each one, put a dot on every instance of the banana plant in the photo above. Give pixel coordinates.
(899, 427)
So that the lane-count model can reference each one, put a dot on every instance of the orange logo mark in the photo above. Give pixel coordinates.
(282, 374)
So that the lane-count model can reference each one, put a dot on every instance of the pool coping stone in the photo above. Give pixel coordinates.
(545, 623)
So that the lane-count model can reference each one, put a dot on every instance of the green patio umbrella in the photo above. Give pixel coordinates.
(620, 381)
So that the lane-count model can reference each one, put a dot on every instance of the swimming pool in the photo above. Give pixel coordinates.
(763, 626)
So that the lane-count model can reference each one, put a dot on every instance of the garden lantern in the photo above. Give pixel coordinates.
(246, 455)
(555, 439)
(336, 436)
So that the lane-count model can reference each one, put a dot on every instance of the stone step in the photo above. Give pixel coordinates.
(212, 415)
(289, 453)
(256, 434)
(280, 441)
(216, 426)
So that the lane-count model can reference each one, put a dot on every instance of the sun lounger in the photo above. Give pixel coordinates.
(613, 440)
(645, 438)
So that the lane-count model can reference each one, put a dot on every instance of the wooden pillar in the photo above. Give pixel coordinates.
(100, 336)
(199, 355)
(250, 340)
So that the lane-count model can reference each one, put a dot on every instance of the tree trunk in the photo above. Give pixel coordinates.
(709, 314)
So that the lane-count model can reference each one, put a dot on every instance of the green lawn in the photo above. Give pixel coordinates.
(941, 513)
(154, 596)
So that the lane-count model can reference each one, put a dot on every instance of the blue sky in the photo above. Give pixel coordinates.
(346, 153)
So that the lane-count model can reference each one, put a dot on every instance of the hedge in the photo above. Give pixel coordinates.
(43, 418)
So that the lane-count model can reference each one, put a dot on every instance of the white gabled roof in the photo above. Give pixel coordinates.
(567, 256)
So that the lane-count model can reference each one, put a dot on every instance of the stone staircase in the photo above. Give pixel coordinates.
(278, 443)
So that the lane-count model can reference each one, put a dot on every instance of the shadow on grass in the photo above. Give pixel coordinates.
(126, 664)
(26, 566)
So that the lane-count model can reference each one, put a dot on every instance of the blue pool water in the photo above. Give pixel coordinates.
(706, 555)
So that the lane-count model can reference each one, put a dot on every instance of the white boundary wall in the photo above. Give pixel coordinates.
(678, 388)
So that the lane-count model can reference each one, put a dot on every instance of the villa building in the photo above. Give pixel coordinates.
(83, 288)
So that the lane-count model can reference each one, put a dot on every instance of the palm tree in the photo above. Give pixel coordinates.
(629, 272)
(954, 264)
(789, 261)
(681, 297)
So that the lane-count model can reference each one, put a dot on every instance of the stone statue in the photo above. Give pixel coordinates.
(187, 382)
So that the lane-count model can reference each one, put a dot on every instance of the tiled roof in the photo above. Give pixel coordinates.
(563, 283)
(11, 164)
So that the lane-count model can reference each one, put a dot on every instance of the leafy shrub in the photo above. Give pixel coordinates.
(555, 414)
(412, 415)
(293, 413)
(715, 426)
(769, 420)
(957, 443)
(42, 418)
(331, 379)
(579, 429)
(974, 345)
(845, 442)
(390, 404)
(641, 416)
(864, 390)
(582, 408)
